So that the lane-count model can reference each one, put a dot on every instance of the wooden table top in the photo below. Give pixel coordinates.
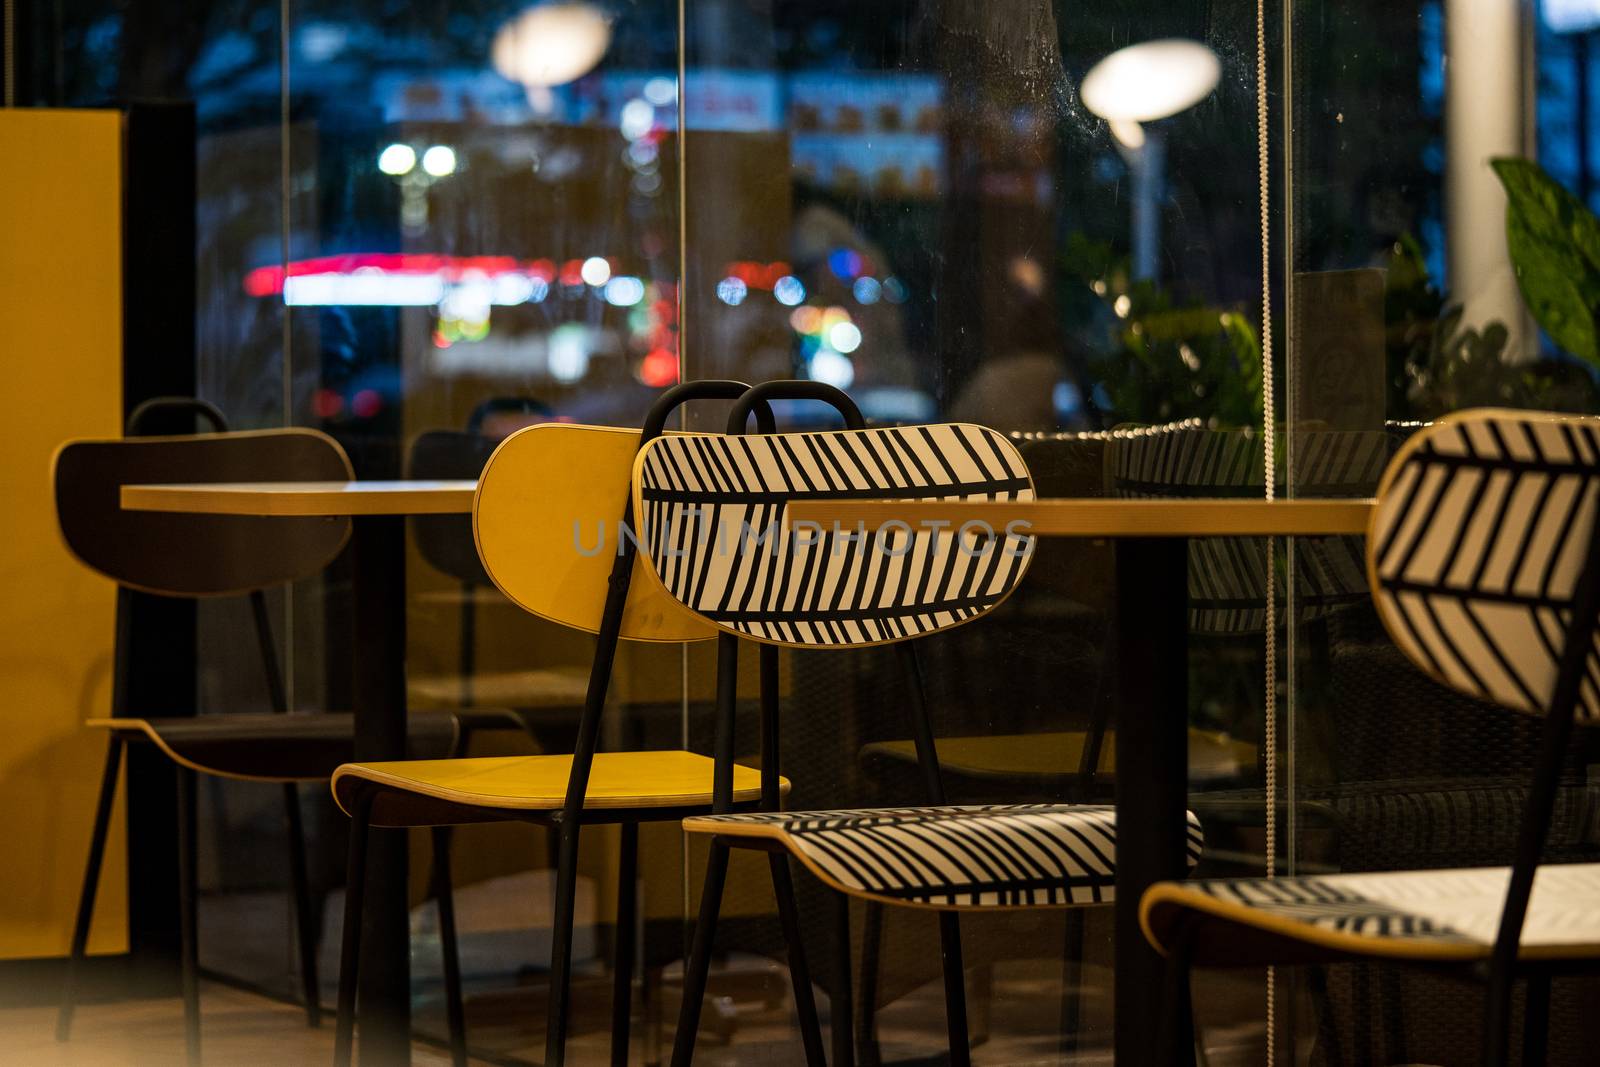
(1048, 517)
(1100, 517)
(305, 498)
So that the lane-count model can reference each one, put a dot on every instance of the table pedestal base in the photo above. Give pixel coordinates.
(1151, 648)
(384, 1002)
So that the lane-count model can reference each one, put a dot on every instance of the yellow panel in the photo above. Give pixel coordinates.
(61, 303)
(546, 520)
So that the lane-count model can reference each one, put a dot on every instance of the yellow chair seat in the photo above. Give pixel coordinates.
(512, 784)
(1211, 755)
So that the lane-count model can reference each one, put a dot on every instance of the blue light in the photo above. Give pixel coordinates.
(867, 289)
(845, 263)
(1067, 401)
(895, 290)
(732, 291)
(624, 290)
(789, 291)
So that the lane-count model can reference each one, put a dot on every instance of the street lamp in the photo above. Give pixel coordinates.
(1140, 84)
(551, 44)
(400, 162)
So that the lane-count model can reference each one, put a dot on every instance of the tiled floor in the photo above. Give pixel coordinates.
(240, 1030)
(748, 1019)
(250, 1030)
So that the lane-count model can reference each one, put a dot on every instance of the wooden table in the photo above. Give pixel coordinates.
(377, 510)
(1151, 635)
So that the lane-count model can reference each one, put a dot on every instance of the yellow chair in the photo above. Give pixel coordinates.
(544, 497)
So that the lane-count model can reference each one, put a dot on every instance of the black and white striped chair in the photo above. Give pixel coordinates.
(714, 534)
(1485, 568)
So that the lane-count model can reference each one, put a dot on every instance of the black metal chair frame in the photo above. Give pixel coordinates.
(305, 927)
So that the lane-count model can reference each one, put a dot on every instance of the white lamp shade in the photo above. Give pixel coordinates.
(1150, 81)
(551, 44)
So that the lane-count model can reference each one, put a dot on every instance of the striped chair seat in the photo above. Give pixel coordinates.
(951, 857)
(1444, 915)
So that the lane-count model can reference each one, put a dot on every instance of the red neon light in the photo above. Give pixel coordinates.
(659, 368)
(268, 281)
(758, 275)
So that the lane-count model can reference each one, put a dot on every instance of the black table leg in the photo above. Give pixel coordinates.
(1152, 768)
(379, 697)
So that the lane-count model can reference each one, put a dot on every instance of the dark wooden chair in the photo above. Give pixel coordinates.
(184, 555)
(445, 542)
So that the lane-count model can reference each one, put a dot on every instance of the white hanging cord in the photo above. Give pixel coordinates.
(683, 191)
(1270, 471)
(286, 327)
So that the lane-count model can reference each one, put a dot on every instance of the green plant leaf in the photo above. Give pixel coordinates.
(1554, 241)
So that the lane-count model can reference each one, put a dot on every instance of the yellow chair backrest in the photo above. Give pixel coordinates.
(547, 519)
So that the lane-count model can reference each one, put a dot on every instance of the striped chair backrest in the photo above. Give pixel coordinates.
(711, 516)
(1481, 532)
(1227, 575)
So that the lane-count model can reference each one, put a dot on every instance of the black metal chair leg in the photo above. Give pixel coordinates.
(1391, 994)
(625, 939)
(980, 1011)
(188, 913)
(805, 1000)
(955, 989)
(1497, 1019)
(555, 1038)
(305, 916)
(91, 885)
(841, 1001)
(355, 882)
(698, 967)
(868, 1053)
(650, 1005)
(1072, 980)
(1536, 1020)
(1327, 1025)
(444, 898)
(1176, 1037)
